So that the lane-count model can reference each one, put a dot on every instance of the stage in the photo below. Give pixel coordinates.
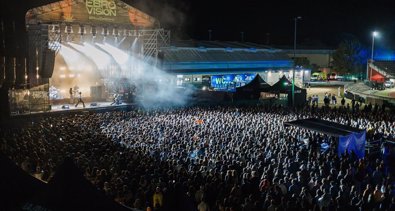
(71, 109)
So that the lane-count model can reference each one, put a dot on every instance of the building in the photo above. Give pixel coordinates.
(221, 65)
(379, 71)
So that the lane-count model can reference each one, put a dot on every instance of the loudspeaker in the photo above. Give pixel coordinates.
(48, 63)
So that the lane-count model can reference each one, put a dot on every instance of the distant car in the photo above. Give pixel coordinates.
(313, 78)
(339, 77)
(389, 84)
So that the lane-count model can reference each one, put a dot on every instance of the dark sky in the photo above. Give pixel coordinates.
(325, 22)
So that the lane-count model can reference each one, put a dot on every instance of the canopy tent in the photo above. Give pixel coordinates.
(378, 78)
(350, 138)
(252, 90)
(284, 86)
(256, 84)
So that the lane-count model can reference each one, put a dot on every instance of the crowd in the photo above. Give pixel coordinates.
(217, 158)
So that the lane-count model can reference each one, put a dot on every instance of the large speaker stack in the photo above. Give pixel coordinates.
(41, 58)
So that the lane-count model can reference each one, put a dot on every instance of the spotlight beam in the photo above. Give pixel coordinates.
(100, 58)
(117, 54)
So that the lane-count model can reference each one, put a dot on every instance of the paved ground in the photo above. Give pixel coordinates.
(387, 93)
(320, 91)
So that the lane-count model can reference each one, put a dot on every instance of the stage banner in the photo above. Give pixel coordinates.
(359, 144)
(230, 82)
(90, 12)
(354, 142)
(343, 145)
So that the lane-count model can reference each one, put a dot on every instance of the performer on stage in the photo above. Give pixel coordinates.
(80, 100)
(71, 96)
(115, 99)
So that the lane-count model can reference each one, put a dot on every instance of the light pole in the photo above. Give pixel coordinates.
(294, 69)
(374, 34)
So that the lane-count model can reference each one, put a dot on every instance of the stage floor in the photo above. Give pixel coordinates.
(70, 108)
(88, 106)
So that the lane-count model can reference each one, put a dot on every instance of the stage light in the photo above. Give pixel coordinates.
(62, 76)
(57, 29)
(82, 30)
(104, 31)
(115, 32)
(68, 29)
(93, 31)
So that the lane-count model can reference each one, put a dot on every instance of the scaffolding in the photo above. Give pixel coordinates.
(153, 40)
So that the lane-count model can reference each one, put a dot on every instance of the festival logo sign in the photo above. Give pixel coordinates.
(67, 11)
(101, 9)
(231, 81)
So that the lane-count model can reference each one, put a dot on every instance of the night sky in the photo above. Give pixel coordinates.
(324, 23)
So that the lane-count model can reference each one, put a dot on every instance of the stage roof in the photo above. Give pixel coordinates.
(324, 126)
(219, 44)
(225, 56)
(91, 12)
(221, 54)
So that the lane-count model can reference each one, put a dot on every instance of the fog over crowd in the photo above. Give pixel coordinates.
(213, 158)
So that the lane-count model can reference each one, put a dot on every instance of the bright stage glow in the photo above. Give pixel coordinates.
(119, 55)
(101, 59)
(74, 60)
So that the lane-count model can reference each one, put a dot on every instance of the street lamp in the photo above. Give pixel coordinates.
(294, 69)
(374, 34)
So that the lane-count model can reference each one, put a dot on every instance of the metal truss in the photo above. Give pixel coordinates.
(54, 37)
(153, 40)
